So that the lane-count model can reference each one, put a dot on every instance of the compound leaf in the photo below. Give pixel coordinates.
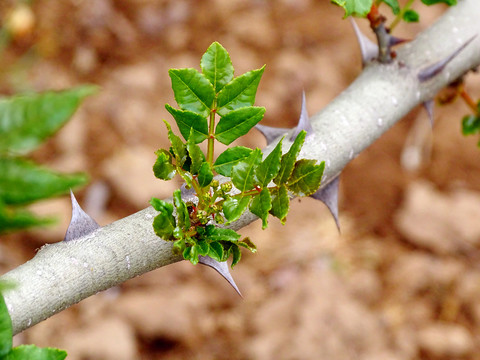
(187, 121)
(192, 90)
(261, 205)
(242, 172)
(163, 168)
(280, 203)
(22, 181)
(269, 167)
(27, 120)
(237, 123)
(205, 175)
(240, 92)
(31, 352)
(233, 208)
(226, 160)
(306, 177)
(217, 66)
(288, 159)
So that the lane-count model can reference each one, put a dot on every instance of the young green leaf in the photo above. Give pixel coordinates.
(22, 181)
(197, 158)
(237, 123)
(12, 219)
(188, 121)
(178, 147)
(240, 92)
(6, 332)
(411, 16)
(354, 7)
(280, 203)
(31, 352)
(233, 208)
(393, 5)
(261, 205)
(192, 90)
(163, 168)
(288, 159)
(226, 160)
(183, 217)
(269, 167)
(27, 120)
(205, 175)
(164, 223)
(306, 177)
(212, 233)
(236, 254)
(242, 172)
(217, 66)
(191, 253)
(470, 125)
(432, 2)
(216, 251)
(248, 244)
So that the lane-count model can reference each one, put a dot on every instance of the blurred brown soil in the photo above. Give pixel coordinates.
(400, 282)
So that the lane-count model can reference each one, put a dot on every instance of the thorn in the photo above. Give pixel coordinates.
(428, 105)
(271, 133)
(393, 40)
(430, 71)
(368, 48)
(81, 223)
(303, 121)
(221, 268)
(329, 196)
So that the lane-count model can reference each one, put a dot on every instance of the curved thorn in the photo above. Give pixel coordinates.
(221, 268)
(303, 121)
(430, 71)
(329, 196)
(368, 48)
(81, 223)
(271, 133)
(428, 105)
(393, 40)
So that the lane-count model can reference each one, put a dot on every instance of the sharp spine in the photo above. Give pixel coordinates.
(221, 268)
(432, 70)
(81, 223)
(329, 196)
(271, 133)
(428, 105)
(303, 121)
(368, 49)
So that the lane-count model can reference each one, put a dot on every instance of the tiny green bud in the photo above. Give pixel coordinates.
(219, 219)
(202, 216)
(226, 187)
(214, 184)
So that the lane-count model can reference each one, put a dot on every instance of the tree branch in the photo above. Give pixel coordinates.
(62, 274)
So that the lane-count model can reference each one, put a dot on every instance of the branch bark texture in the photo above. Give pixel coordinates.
(62, 274)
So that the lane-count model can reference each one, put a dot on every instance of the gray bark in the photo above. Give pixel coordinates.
(62, 274)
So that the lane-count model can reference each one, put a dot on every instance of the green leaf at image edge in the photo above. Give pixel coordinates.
(192, 90)
(433, 2)
(31, 352)
(6, 332)
(470, 125)
(217, 66)
(14, 218)
(28, 120)
(240, 92)
(354, 7)
(23, 182)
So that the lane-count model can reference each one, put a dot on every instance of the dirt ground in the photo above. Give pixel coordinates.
(402, 280)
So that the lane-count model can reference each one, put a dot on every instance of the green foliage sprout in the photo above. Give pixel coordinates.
(260, 184)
